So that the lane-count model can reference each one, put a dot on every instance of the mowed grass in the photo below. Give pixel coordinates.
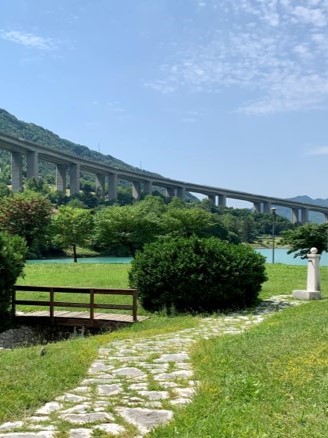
(283, 279)
(270, 382)
(75, 275)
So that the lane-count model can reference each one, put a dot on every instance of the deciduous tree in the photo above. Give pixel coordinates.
(305, 237)
(72, 227)
(27, 215)
(127, 226)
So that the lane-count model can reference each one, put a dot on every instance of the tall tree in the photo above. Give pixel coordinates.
(72, 227)
(27, 215)
(126, 226)
(193, 221)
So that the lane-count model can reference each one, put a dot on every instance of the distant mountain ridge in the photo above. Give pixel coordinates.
(313, 216)
(306, 199)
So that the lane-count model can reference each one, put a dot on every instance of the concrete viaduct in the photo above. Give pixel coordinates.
(68, 165)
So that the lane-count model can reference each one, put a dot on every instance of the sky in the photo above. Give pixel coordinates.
(227, 93)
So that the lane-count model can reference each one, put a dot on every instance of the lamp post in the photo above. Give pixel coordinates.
(273, 211)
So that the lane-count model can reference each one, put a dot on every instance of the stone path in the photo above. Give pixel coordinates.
(134, 384)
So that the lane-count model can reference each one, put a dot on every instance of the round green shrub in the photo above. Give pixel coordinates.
(197, 275)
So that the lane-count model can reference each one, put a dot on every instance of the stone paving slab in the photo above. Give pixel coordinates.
(118, 396)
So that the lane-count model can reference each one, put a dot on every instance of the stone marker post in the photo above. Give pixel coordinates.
(312, 291)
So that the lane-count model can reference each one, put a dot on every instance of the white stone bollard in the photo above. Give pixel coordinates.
(312, 291)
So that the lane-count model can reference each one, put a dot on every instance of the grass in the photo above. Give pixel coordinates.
(283, 279)
(78, 275)
(29, 380)
(270, 382)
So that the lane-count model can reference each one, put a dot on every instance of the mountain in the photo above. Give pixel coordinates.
(313, 216)
(308, 200)
(10, 125)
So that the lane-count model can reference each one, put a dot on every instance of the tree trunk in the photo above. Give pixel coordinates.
(74, 254)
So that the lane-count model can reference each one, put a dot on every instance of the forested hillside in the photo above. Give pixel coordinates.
(10, 125)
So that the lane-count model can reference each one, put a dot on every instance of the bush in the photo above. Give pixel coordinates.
(12, 260)
(194, 274)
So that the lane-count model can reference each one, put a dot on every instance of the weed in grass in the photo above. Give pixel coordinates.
(153, 385)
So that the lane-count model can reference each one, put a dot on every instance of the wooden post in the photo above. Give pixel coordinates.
(92, 306)
(13, 304)
(52, 309)
(135, 306)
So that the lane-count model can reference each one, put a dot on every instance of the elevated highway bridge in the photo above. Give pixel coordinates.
(69, 167)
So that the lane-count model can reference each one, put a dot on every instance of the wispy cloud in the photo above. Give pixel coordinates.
(115, 107)
(112, 106)
(275, 51)
(320, 150)
(28, 39)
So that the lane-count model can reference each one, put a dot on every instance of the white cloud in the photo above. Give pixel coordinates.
(27, 39)
(273, 50)
(313, 16)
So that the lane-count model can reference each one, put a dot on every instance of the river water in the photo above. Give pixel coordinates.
(280, 256)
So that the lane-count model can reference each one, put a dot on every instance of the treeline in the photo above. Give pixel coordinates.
(50, 222)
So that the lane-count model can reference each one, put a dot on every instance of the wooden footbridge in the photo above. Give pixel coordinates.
(52, 298)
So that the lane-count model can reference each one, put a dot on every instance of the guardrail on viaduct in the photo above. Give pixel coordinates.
(69, 167)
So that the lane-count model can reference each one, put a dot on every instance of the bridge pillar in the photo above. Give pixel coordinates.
(61, 178)
(16, 172)
(257, 207)
(181, 193)
(112, 186)
(170, 192)
(326, 217)
(212, 198)
(222, 200)
(294, 218)
(266, 207)
(32, 164)
(148, 187)
(304, 215)
(136, 190)
(100, 184)
(74, 179)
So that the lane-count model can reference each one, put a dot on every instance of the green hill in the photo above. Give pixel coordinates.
(10, 125)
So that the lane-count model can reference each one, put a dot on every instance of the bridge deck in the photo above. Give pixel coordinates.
(76, 319)
(77, 297)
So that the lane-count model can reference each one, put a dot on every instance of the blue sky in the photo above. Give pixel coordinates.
(229, 93)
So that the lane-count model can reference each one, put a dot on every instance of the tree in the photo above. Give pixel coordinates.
(37, 185)
(72, 227)
(305, 237)
(125, 226)
(27, 215)
(12, 261)
(193, 221)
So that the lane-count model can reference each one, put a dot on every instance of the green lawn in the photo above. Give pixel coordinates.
(269, 382)
(78, 275)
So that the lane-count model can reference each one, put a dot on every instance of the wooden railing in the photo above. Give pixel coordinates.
(91, 305)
